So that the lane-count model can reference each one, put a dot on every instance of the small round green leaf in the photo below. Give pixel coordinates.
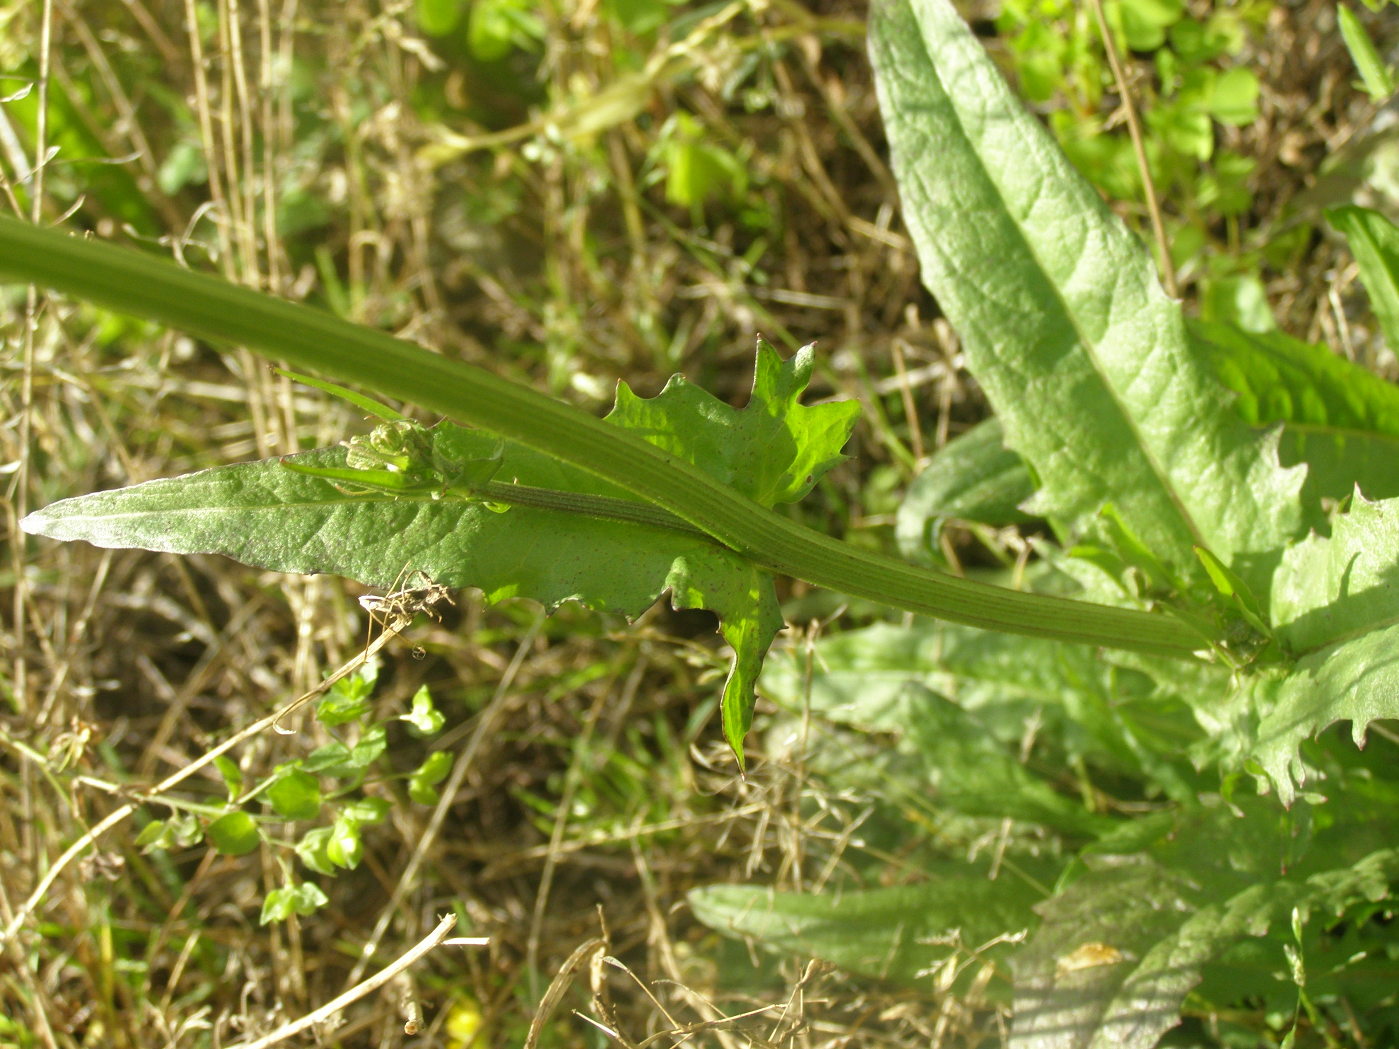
(366, 810)
(422, 784)
(296, 795)
(1234, 98)
(333, 759)
(341, 710)
(373, 743)
(233, 834)
(435, 767)
(281, 904)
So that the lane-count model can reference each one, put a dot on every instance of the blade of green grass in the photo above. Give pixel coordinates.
(1374, 241)
(1374, 75)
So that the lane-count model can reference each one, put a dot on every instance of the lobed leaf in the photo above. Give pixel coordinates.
(1330, 589)
(1340, 419)
(267, 515)
(772, 451)
(1337, 606)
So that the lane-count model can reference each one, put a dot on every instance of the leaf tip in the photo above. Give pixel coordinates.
(36, 523)
(737, 706)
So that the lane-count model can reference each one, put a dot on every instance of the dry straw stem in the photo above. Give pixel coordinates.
(678, 1031)
(1134, 129)
(589, 948)
(383, 976)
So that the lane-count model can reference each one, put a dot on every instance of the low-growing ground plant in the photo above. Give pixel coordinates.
(1193, 90)
(1112, 787)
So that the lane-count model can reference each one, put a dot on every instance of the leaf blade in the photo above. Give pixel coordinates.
(1082, 355)
(1338, 418)
(895, 933)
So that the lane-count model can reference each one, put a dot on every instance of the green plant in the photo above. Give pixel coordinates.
(331, 779)
(1147, 881)
(1142, 448)
(1194, 87)
(714, 469)
(1375, 76)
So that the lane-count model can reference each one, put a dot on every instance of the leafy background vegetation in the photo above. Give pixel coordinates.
(568, 197)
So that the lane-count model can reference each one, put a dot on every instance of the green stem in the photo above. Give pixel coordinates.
(141, 284)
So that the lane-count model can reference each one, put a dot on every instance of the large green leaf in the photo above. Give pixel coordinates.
(969, 771)
(1071, 980)
(903, 933)
(268, 515)
(958, 701)
(1111, 955)
(1121, 947)
(973, 477)
(1084, 358)
(862, 677)
(1337, 417)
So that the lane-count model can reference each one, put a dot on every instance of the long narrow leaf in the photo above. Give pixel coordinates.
(1374, 241)
(1064, 324)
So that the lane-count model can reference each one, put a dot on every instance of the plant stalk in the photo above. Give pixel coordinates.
(144, 285)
